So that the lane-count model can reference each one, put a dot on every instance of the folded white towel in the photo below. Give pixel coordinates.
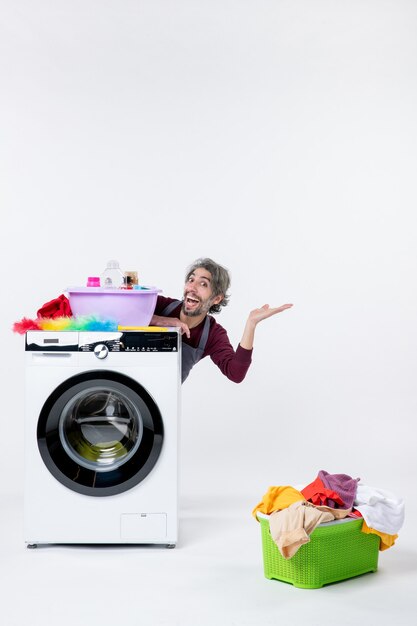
(381, 510)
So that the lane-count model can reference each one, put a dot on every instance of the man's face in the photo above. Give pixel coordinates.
(198, 293)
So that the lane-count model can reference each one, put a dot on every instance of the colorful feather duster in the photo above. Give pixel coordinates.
(24, 325)
(89, 323)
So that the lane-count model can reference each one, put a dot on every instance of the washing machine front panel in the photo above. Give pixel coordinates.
(100, 433)
(102, 426)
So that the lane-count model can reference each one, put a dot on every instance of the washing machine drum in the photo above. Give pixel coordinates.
(100, 433)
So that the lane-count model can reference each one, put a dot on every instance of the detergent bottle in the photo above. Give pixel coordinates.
(112, 277)
(93, 281)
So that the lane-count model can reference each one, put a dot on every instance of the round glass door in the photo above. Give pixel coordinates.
(100, 433)
(100, 428)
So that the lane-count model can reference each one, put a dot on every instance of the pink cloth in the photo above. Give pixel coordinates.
(344, 485)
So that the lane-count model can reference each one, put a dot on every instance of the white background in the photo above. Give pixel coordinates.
(278, 137)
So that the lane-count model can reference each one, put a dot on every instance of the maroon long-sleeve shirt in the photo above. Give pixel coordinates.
(233, 364)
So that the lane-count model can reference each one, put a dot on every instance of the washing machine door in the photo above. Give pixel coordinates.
(100, 433)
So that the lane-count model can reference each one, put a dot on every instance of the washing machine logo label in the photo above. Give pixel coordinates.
(101, 351)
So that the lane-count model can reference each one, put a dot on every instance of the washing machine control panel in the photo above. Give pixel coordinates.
(155, 341)
(128, 341)
(101, 343)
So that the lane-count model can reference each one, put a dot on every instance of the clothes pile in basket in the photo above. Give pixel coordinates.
(295, 512)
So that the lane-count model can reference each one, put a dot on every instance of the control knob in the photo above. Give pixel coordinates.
(101, 351)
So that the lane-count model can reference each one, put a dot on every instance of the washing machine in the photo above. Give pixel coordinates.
(101, 437)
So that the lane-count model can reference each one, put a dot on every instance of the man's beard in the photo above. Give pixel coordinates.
(200, 310)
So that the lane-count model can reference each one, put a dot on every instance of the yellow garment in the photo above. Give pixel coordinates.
(278, 498)
(386, 540)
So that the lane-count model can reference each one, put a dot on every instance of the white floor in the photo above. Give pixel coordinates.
(214, 576)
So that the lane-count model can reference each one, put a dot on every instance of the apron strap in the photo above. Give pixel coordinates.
(204, 334)
(190, 356)
(170, 307)
(206, 330)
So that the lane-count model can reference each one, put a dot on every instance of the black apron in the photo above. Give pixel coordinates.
(189, 355)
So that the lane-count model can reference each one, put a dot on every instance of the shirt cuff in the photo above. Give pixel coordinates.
(244, 355)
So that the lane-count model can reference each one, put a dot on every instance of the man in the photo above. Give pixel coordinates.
(205, 292)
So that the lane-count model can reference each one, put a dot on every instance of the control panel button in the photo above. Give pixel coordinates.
(101, 351)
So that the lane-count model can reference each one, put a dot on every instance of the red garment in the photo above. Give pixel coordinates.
(59, 307)
(319, 495)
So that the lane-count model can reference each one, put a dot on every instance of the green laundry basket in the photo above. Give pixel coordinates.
(336, 551)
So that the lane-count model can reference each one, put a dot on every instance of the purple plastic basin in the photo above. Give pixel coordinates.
(128, 307)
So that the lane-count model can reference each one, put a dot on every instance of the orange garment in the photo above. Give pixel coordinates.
(278, 498)
(387, 541)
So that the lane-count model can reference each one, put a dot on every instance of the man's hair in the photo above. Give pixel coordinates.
(220, 281)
